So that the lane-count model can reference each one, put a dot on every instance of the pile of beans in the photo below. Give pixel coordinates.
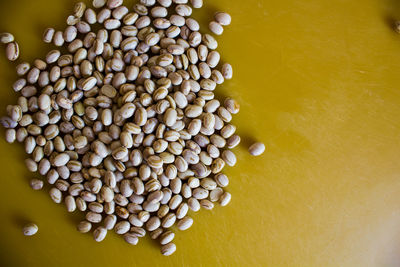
(125, 125)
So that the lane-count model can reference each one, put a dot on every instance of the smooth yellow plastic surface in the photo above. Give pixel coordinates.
(318, 82)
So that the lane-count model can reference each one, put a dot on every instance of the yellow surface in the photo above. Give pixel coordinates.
(318, 82)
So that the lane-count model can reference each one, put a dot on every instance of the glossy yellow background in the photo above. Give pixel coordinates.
(318, 82)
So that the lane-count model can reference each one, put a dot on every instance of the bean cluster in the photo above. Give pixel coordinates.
(125, 125)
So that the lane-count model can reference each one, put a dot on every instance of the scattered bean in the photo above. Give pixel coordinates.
(30, 229)
(6, 38)
(12, 51)
(257, 149)
(223, 18)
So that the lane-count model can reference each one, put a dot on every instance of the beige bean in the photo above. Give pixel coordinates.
(208, 183)
(175, 49)
(152, 39)
(222, 180)
(22, 68)
(99, 3)
(166, 237)
(168, 249)
(142, 22)
(6, 38)
(232, 105)
(159, 12)
(12, 51)
(114, 3)
(70, 203)
(209, 43)
(120, 153)
(215, 27)
(82, 26)
(93, 217)
(89, 83)
(90, 16)
(111, 24)
(196, 3)
(153, 223)
(170, 117)
(84, 227)
(120, 12)
(144, 216)
(223, 18)
(36, 184)
(206, 204)
(168, 220)
(224, 114)
(48, 35)
(61, 159)
(110, 221)
(229, 157)
(103, 15)
(192, 24)
(155, 162)
(161, 23)
(11, 135)
(155, 196)
(122, 227)
(55, 195)
(227, 71)
(193, 182)
(216, 194)
(257, 149)
(193, 111)
(194, 204)
(138, 231)
(107, 194)
(58, 38)
(131, 238)
(79, 9)
(95, 206)
(165, 3)
(185, 223)
(162, 211)
(186, 191)
(177, 20)
(175, 202)
(129, 43)
(70, 33)
(182, 211)
(200, 193)
(99, 234)
(233, 141)
(227, 131)
(130, 18)
(183, 10)
(80, 203)
(217, 165)
(225, 199)
(30, 229)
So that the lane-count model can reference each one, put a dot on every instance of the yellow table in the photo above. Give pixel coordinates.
(318, 82)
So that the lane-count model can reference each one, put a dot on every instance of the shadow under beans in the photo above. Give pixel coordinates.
(392, 13)
(205, 15)
(19, 220)
(246, 140)
(74, 217)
